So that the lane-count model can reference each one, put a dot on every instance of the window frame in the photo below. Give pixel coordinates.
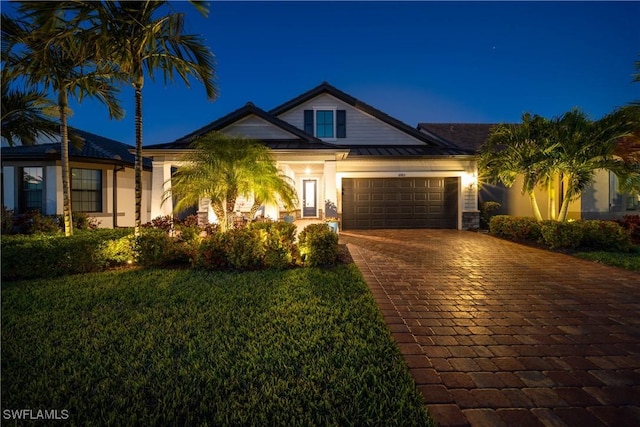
(311, 122)
(97, 204)
(22, 195)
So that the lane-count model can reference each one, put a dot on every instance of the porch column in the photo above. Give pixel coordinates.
(330, 190)
(161, 173)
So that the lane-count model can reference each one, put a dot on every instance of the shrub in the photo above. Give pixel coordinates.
(631, 223)
(43, 256)
(245, 250)
(154, 247)
(81, 221)
(487, 210)
(318, 245)
(515, 228)
(164, 223)
(119, 251)
(33, 222)
(7, 220)
(279, 240)
(604, 235)
(561, 235)
(212, 252)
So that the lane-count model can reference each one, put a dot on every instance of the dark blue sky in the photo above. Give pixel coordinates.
(417, 61)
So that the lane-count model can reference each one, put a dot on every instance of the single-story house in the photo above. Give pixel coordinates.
(102, 180)
(346, 158)
(601, 200)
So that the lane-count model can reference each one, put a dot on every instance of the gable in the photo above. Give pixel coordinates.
(362, 128)
(256, 127)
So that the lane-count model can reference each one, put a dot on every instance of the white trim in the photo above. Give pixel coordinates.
(302, 180)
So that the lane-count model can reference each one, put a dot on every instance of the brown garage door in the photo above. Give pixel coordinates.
(399, 203)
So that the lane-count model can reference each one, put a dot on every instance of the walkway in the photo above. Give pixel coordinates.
(500, 334)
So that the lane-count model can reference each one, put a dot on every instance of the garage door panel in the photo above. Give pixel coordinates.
(399, 203)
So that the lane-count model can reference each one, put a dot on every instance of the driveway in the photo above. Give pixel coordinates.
(496, 333)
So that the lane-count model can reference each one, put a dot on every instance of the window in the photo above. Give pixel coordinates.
(325, 123)
(86, 190)
(31, 196)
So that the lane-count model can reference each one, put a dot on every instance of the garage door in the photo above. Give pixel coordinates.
(399, 203)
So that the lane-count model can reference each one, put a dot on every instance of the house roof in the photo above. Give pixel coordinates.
(299, 139)
(356, 103)
(95, 148)
(402, 151)
(467, 136)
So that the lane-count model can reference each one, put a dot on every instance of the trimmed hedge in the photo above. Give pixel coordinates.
(585, 234)
(262, 245)
(561, 235)
(318, 245)
(43, 256)
(515, 228)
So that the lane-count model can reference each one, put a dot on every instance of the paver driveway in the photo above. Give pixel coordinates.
(496, 333)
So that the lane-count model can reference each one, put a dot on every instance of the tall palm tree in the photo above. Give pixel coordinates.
(585, 146)
(47, 49)
(26, 114)
(222, 168)
(141, 42)
(514, 150)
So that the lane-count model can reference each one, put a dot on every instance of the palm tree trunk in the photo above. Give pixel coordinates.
(552, 198)
(564, 209)
(254, 209)
(66, 173)
(534, 206)
(138, 164)
(219, 210)
(231, 204)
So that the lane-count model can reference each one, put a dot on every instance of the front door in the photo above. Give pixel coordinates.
(309, 198)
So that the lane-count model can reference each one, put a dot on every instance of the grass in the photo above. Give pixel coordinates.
(628, 261)
(183, 347)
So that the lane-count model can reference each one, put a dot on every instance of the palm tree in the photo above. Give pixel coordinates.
(585, 146)
(270, 186)
(222, 168)
(141, 43)
(26, 114)
(46, 48)
(519, 149)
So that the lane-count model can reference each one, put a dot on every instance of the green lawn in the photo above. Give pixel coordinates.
(629, 261)
(185, 347)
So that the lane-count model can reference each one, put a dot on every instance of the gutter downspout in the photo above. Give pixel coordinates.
(116, 169)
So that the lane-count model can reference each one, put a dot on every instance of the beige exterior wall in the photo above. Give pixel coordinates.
(53, 203)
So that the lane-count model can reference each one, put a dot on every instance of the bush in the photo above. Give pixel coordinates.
(212, 252)
(245, 250)
(164, 223)
(631, 223)
(487, 210)
(604, 235)
(119, 251)
(318, 245)
(154, 247)
(515, 228)
(7, 220)
(43, 256)
(561, 235)
(33, 222)
(279, 240)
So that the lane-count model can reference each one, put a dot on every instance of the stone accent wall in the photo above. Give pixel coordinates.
(471, 220)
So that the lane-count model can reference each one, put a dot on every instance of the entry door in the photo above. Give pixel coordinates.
(309, 198)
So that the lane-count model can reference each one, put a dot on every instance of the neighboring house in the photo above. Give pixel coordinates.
(377, 171)
(601, 200)
(102, 180)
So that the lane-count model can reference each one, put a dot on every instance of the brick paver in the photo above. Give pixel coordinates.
(496, 333)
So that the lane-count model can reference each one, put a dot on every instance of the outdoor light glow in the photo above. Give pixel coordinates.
(307, 170)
